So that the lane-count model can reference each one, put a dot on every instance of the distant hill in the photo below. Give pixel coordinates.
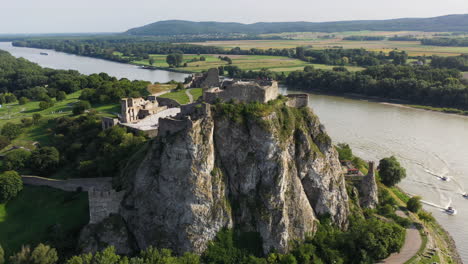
(449, 23)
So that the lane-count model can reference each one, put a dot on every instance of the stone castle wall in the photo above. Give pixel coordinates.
(298, 100)
(102, 204)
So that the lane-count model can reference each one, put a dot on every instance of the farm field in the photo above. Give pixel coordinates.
(245, 62)
(414, 48)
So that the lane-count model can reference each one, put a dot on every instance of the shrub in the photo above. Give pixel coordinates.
(45, 104)
(11, 131)
(23, 100)
(414, 204)
(16, 159)
(10, 185)
(80, 107)
(61, 95)
(36, 117)
(390, 171)
(42, 254)
(27, 121)
(426, 216)
(344, 151)
(4, 141)
(44, 160)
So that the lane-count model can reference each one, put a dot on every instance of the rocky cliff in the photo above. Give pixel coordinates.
(270, 169)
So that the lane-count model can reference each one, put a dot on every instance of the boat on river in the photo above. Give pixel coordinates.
(44, 53)
(445, 178)
(465, 195)
(450, 211)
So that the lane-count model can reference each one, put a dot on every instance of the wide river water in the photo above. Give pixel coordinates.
(430, 145)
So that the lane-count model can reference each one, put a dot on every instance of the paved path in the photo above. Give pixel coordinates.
(411, 247)
(99, 184)
(187, 92)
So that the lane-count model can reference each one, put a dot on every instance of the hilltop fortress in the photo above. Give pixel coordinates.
(155, 114)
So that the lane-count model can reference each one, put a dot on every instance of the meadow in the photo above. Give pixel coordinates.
(245, 62)
(37, 213)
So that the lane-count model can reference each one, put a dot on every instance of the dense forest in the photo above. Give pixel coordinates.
(177, 27)
(450, 42)
(458, 62)
(418, 85)
(23, 78)
(364, 38)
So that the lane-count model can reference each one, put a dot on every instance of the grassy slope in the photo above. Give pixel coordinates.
(196, 93)
(179, 96)
(437, 237)
(28, 218)
(245, 62)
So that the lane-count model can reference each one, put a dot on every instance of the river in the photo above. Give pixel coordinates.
(87, 65)
(429, 144)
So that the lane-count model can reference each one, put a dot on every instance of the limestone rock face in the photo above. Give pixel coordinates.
(271, 174)
(112, 231)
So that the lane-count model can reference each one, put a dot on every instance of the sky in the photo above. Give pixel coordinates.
(73, 16)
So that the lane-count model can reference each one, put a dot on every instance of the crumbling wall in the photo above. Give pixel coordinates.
(298, 100)
(102, 204)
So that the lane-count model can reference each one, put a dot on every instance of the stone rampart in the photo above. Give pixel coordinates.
(102, 204)
(298, 100)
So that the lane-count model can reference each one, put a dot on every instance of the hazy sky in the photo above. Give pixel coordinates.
(53, 16)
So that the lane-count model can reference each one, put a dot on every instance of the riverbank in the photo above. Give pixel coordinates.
(438, 245)
(389, 101)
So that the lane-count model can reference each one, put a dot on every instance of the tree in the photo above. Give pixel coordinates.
(175, 59)
(45, 104)
(42, 254)
(2, 255)
(16, 159)
(23, 100)
(151, 61)
(414, 204)
(10, 185)
(61, 95)
(180, 86)
(11, 131)
(390, 171)
(36, 117)
(80, 107)
(45, 159)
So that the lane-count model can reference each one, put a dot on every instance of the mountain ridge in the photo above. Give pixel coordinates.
(455, 22)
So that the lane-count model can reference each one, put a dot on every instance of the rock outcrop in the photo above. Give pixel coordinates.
(270, 169)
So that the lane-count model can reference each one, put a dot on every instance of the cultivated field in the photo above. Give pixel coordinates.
(316, 40)
(245, 62)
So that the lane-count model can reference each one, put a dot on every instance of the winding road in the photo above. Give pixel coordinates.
(411, 247)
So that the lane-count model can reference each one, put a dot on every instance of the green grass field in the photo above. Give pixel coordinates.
(29, 218)
(245, 62)
(179, 96)
(196, 93)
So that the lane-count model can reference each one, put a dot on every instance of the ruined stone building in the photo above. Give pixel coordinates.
(134, 109)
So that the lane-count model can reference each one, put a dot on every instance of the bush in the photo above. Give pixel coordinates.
(414, 204)
(426, 216)
(11, 131)
(27, 121)
(390, 171)
(36, 117)
(23, 100)
(61, 95)
(344, 151)
(80, 107)
(16, 159)
(44, 160)
(42, 254)
(44, 105)
(4, 141)
(10, 185)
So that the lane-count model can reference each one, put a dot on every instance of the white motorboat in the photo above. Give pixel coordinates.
(450, 211)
